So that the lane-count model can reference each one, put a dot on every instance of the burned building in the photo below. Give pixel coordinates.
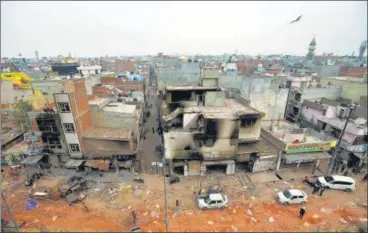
(203, 129)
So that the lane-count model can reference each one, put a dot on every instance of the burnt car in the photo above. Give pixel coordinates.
(74, 183)
(75, 198)
(35, 176)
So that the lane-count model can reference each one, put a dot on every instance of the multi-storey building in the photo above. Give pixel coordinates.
(203, 129)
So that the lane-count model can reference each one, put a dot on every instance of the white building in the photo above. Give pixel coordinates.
(89, 70)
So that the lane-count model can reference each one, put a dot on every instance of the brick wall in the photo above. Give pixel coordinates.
(102, 92)
(80, 108)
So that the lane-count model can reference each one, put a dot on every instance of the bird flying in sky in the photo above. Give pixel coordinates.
(296, 20)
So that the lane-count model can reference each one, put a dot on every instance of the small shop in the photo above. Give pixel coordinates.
(298, 155)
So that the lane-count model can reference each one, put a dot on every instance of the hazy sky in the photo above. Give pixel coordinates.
(138, 28)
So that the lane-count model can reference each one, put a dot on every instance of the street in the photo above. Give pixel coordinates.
(335, 210)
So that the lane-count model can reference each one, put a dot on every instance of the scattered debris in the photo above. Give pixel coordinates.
(234, 228)
(249, 212)
(315, 216)
(54, 218)
(363, 219)
(31, 204)
(306, 224)
(138, 180)
(351, 204)
(154, 214)
(75, 198)
(35, 176)
(253, 198)
(210, 222)
(74, 183)
(174, 179)
(253, 219)
(343, 221)
(136, 229)
(271, 219)
(39, 193)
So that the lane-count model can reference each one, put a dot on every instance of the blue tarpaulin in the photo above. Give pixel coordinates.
(31, 204)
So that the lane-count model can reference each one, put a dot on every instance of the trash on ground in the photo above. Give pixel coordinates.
(138, 180)
(234, 228)
(54, 218)
(271, 219)
(31, 204)
(249, 212)
(210, 222)
(343, 221)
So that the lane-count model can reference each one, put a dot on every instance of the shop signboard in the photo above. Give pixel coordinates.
(293, 148)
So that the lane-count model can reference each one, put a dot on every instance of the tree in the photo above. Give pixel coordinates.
(20, 109)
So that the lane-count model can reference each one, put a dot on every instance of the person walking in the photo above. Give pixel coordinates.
(316, 188)
(177, 205)
(322, 190)
(365, 178)
(302, 212)
(346, 173)
(134, 215)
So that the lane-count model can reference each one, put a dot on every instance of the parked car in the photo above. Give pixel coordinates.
(212, 201)
(337, 182)
(292, 196)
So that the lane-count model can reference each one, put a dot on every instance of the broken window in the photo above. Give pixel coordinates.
(298, 97)
(181, 96)
(210, 142)
(69, 128)
(187, 148)
(74, 147)
(247, 123)
(233, 142)
(64, 107)
(324, 112)
(198, 143)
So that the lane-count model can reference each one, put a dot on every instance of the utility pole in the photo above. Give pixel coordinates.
(9, 211)
(166, 219)
(335, 155)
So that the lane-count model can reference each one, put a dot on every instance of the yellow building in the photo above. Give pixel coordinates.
(20, 79)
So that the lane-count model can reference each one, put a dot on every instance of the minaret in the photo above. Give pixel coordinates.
(311, 49)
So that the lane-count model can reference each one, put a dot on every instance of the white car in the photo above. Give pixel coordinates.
(213, 201)
(292, 196)
(337, 182)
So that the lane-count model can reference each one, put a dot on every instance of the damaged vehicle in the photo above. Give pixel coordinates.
(212, 201)
(74, 198)
(74, 183)
(35, 176)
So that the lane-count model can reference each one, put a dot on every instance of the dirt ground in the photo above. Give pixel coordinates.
(110, 209)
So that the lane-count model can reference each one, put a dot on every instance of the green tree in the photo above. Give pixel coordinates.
(20, 109)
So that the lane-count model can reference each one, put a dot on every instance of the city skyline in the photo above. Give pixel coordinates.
(94, 29)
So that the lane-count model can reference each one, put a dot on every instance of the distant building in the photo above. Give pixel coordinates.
(66, 67)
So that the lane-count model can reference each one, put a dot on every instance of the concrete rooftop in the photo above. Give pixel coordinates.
(288, 132)
(119, 108)
(108, 133)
